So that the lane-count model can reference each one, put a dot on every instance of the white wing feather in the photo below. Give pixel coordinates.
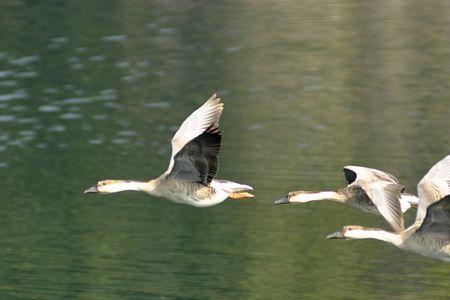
(368, 175)
(386, 197)
(433, 186)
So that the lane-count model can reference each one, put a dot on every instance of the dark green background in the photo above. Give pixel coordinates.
(95, 89)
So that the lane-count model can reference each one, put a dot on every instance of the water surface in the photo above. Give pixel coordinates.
(95, 90)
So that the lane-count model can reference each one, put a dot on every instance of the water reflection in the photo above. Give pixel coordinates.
(307, 88)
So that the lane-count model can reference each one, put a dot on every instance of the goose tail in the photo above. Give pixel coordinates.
(407, 201)
(234, 190)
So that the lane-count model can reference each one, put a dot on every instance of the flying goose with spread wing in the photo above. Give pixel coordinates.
(193, 165)
(354, 194)
(429, 235)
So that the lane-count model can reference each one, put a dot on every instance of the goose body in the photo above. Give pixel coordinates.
(193, 165)
(429, 235)
(354, 194)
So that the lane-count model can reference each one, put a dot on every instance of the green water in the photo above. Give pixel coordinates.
(95, 89)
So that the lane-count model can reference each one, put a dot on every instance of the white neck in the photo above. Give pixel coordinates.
(125, 185)
(378, 234)
(308, 197)
(134, 185)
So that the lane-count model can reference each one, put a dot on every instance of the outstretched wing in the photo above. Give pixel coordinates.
(386, 197)
(197, 160)
(206, 116)
(354, 173)
(434, 186)
(437, 218)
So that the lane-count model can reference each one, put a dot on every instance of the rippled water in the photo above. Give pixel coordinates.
(95, 90)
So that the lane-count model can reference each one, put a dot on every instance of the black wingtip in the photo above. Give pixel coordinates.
(350, 175)
(214, 129)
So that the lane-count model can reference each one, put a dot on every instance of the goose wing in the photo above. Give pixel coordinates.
(437, 218)
(386, 197)
(204, 118)
(434, 186)
(355, 173)
(197, 161)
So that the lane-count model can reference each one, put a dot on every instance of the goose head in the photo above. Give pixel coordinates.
(285, 199)
(352, 232)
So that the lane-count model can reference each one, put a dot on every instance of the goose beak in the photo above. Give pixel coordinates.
(91, 190)
(336, 235)
(284, 200)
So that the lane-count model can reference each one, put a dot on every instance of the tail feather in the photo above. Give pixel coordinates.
(230, 186)
(240, 195)
(407, 201)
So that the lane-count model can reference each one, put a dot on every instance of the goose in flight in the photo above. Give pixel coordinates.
(354, 194)
(189, 178)
(429, 235)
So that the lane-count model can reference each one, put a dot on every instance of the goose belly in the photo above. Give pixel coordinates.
(200, 197)
(430, 246)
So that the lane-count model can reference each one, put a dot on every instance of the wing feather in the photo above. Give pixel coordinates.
(198, 160)
(354, 173)
(437, 219)
(197, 123)
(386, 197)
(434, 186)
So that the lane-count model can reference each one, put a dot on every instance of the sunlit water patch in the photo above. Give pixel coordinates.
(26, 60)
(8, 83)
(96, 141)
(112, 105)
(49, 108)
(16, 95)
(57, 128)
(120, 141)
(60, 40)
(81, 100)
(27, 120)
(114, 38)
(127, 133)
(108, 94)
(100, 117)
(153, 105)
(57, 42)
(27, 133)
(51, 91)
(7, 118)
(71, 116)
(6, 73)
(25, 74)
(97, 58)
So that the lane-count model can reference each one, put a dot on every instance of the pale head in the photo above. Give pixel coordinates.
(106, 186)
(296, 196)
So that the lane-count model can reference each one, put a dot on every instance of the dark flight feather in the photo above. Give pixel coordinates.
(198, 160)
